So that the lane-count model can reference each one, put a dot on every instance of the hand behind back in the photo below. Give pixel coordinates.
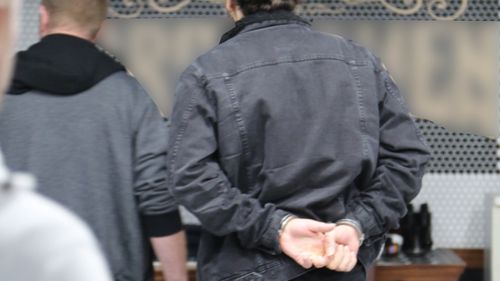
(312, 243)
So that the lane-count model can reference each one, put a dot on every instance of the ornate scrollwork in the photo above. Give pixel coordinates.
(324, 9)
(413, 6)
(443, 5)
(136, 7)
(159, 5)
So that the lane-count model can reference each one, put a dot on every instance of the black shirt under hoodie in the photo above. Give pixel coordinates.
(62, 65)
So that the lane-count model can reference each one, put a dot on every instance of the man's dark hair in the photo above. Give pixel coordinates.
(249, 7)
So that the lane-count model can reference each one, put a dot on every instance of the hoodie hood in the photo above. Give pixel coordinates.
(62, 65)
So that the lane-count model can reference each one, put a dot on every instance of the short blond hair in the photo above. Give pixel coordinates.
(87, 15)
(8, 13)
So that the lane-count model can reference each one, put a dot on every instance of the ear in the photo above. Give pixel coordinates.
(227, 5)
(233, 9)
(44, 20)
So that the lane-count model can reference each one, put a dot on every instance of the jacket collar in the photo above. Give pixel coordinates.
(262, 20)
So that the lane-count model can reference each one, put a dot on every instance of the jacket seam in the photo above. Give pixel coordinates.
(402, 103)
(180, 135)
(238, 117)
(283, 60)
(361, 109)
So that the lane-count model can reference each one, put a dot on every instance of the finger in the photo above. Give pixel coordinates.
(305, 261)
(346, 261)
(319, 261)
(354, 261)
(330, 244)
(316, 226)
(337, 258)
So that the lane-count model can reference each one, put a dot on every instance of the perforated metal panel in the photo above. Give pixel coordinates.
(457, 203)
(475, 10)
(141, 9)
(458, 153)
(470, 10)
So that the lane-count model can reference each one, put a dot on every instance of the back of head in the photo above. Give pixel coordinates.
(84, 16)
(249, 7)
(8, 10)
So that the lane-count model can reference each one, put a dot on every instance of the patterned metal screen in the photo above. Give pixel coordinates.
(468, 10)
(458, 153)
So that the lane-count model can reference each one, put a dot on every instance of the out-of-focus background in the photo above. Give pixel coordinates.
(444, 54)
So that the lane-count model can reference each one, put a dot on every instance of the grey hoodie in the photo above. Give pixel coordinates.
(101, 153)
(33, 228)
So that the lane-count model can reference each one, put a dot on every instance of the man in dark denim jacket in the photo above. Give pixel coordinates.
(280, 130)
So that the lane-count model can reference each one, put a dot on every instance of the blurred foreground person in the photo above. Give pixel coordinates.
(39, 240)
(95, 140)
(281, 129)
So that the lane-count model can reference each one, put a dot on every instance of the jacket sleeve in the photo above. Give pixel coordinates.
(158, 208)
(402, 158)
(198, 181)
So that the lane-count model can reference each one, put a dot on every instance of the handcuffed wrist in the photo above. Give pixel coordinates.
(354, 224)
(270, 240)
(285, 220)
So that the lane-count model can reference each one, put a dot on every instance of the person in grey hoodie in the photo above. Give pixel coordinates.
(95, 140)
(35, 232)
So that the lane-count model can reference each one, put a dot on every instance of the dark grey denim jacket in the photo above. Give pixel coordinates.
(282, 119)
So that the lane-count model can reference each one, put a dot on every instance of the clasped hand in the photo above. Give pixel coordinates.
(312, 243)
